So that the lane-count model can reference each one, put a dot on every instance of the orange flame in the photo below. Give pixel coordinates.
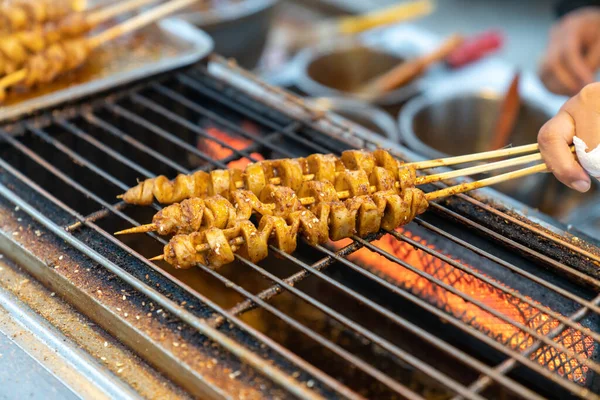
(220, 152)
(496, 299)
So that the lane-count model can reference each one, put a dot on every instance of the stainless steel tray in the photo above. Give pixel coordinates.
(171, 43)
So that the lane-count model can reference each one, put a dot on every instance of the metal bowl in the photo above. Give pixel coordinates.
(364, 114)
(338, 68)
(240, 30)
(458, 123)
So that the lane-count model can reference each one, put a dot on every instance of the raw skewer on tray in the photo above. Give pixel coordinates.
(376, 198)
(67, 55)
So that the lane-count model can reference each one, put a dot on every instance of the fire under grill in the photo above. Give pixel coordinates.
(469, 301)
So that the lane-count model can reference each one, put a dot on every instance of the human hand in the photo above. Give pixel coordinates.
(573, 53)
(580, 116)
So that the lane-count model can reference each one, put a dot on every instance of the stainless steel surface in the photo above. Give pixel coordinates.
(191, 44)
(38, 361)
(240, 29)
(337, 68)
(364, 114)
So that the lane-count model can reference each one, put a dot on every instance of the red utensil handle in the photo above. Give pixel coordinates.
(475, 48)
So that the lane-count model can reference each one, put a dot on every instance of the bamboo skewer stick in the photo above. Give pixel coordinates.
(465, 187)
(139, 21)
(99, 16)
(479, 169)
(444, 162)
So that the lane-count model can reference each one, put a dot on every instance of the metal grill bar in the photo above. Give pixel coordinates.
(116, 132)
(540, 232)
(339, 351)
(139, 99)
(215, 117)
(458, 323)
(99, 145)
(244, 354)
(508, 365)
(378, 340)
(584, 361)
(402, 322)
(120, 111)
(298, 277)
(512, 267)
(511, 243)
(334, 384)
(193, 84)
(493, 283)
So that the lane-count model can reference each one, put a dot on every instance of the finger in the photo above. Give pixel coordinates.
(554, 140)
(572, 58)
(592, 58)
(553, 84)
(556, 73)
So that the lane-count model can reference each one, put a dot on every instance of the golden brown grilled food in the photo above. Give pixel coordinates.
(16, 15)
(200, 213)
(323, 221)
(16, 48)
(195, 214)
(287, 172)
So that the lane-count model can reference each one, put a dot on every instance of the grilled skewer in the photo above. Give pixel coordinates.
(326, 220)
(17, 47)
(16, 15)
(65, 56)
(292, 172)
(285, 172)
(196, 213)
(334, 220)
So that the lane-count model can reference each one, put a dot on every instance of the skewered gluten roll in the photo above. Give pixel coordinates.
(200, 213)
(287, 172)
(195, 214)
(18, 47)
(16, 15)
(333, 220)
(58, 58)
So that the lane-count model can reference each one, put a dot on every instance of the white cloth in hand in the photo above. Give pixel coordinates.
(589, 161)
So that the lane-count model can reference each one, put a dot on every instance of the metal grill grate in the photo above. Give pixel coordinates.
(349, 328)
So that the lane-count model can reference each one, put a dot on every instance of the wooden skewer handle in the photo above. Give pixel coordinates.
(140, 21)
(465, 187)
(97, 17)
(407, 71)
(445, 162)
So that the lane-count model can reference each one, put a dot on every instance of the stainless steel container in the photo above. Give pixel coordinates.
(364, 114)
(338, 68)
(462, 122)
